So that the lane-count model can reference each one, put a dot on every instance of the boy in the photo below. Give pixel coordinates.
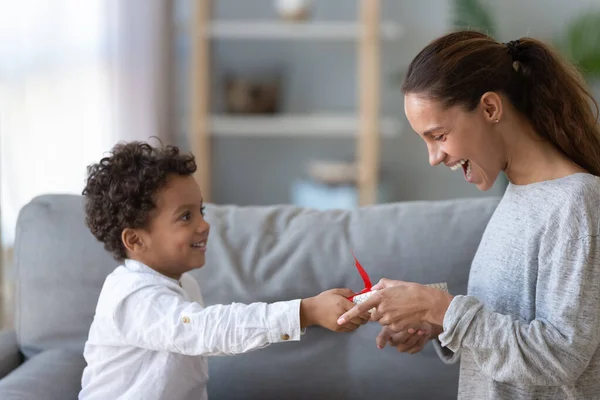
(151, 330)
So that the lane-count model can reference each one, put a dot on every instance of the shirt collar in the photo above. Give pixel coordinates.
(137, 266)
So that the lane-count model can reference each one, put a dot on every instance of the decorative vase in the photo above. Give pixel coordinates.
(293, 10)
(252, 95)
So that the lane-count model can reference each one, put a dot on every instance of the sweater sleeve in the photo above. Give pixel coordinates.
(444, 353)
(554, 348)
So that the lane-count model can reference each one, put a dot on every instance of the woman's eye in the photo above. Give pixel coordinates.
(439, 138)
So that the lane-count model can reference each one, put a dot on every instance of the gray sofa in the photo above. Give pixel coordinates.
(254, 254)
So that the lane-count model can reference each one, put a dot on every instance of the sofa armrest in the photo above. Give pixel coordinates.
(51, 375)
(10, 355)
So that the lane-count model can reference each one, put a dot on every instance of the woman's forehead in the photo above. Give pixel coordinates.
(425, 114)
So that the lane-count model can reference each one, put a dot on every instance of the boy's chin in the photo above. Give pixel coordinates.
(197, 263)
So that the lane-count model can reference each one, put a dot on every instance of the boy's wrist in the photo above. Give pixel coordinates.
(306, 312)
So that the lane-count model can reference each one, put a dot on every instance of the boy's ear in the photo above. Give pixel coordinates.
(132, 240)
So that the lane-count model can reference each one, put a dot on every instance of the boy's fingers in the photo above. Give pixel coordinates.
(343, 292)
(349, 327)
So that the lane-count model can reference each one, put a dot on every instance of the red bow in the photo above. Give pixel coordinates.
(364, 276)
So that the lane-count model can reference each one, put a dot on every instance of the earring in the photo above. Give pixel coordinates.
(496, 121)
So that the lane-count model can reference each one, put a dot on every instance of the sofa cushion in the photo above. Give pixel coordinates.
(50, 375)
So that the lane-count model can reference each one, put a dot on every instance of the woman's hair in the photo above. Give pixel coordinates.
(458, 68)
(121, 189)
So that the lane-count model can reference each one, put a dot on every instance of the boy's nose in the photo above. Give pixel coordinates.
(203, 226)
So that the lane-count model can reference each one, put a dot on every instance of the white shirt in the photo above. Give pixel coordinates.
(150, 335)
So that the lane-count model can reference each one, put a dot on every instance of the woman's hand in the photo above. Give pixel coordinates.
(402, 305)
(410, 341)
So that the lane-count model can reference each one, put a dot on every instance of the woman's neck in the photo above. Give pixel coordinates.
(532, 159)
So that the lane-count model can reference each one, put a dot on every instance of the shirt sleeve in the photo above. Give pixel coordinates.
(553, 349)
(444, 353)
(158, 318)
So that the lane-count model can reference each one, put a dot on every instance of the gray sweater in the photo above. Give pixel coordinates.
(529, 327)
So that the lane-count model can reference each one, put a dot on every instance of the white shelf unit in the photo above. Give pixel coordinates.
(285, 125)
(275, 30)
(366, 125)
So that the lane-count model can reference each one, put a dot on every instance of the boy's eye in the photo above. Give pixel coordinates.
(202, 210)
(186, 216)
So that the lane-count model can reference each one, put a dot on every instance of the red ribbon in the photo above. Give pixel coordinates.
(364, 276)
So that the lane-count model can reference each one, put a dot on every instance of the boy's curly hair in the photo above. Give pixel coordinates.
(121, 188)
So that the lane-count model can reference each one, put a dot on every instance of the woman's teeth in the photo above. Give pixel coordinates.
(199, 244)
(466, 166)
(458, 165)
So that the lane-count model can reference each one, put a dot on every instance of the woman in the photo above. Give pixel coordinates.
(530, 324)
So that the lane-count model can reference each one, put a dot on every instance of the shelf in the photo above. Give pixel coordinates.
(309, 125)
(332, 30)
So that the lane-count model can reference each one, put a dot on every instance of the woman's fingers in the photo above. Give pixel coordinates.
(360, 309)
(410, 344)
(361, 319)
(401, 338)
(419, 346)
(384, 336)
(385, 283)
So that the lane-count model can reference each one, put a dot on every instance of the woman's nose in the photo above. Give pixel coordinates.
(436, 155)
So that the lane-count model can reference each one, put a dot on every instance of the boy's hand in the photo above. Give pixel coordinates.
(326, 308)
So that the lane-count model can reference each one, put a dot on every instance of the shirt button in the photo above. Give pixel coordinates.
(186, 320)
(285, 336)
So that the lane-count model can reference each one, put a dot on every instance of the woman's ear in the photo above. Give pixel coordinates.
(491, 105)
(133, 241)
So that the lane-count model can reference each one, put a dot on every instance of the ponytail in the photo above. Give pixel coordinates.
(460, 67)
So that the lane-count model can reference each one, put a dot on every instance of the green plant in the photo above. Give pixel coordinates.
(473, 15)
(581, 43)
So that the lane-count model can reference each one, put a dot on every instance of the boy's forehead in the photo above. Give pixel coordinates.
(179, 191)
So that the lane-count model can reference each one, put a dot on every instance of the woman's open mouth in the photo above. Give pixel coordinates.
(467, 170)
(466, 166)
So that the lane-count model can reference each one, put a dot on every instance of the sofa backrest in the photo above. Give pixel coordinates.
(59, 271)
(266, 254)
